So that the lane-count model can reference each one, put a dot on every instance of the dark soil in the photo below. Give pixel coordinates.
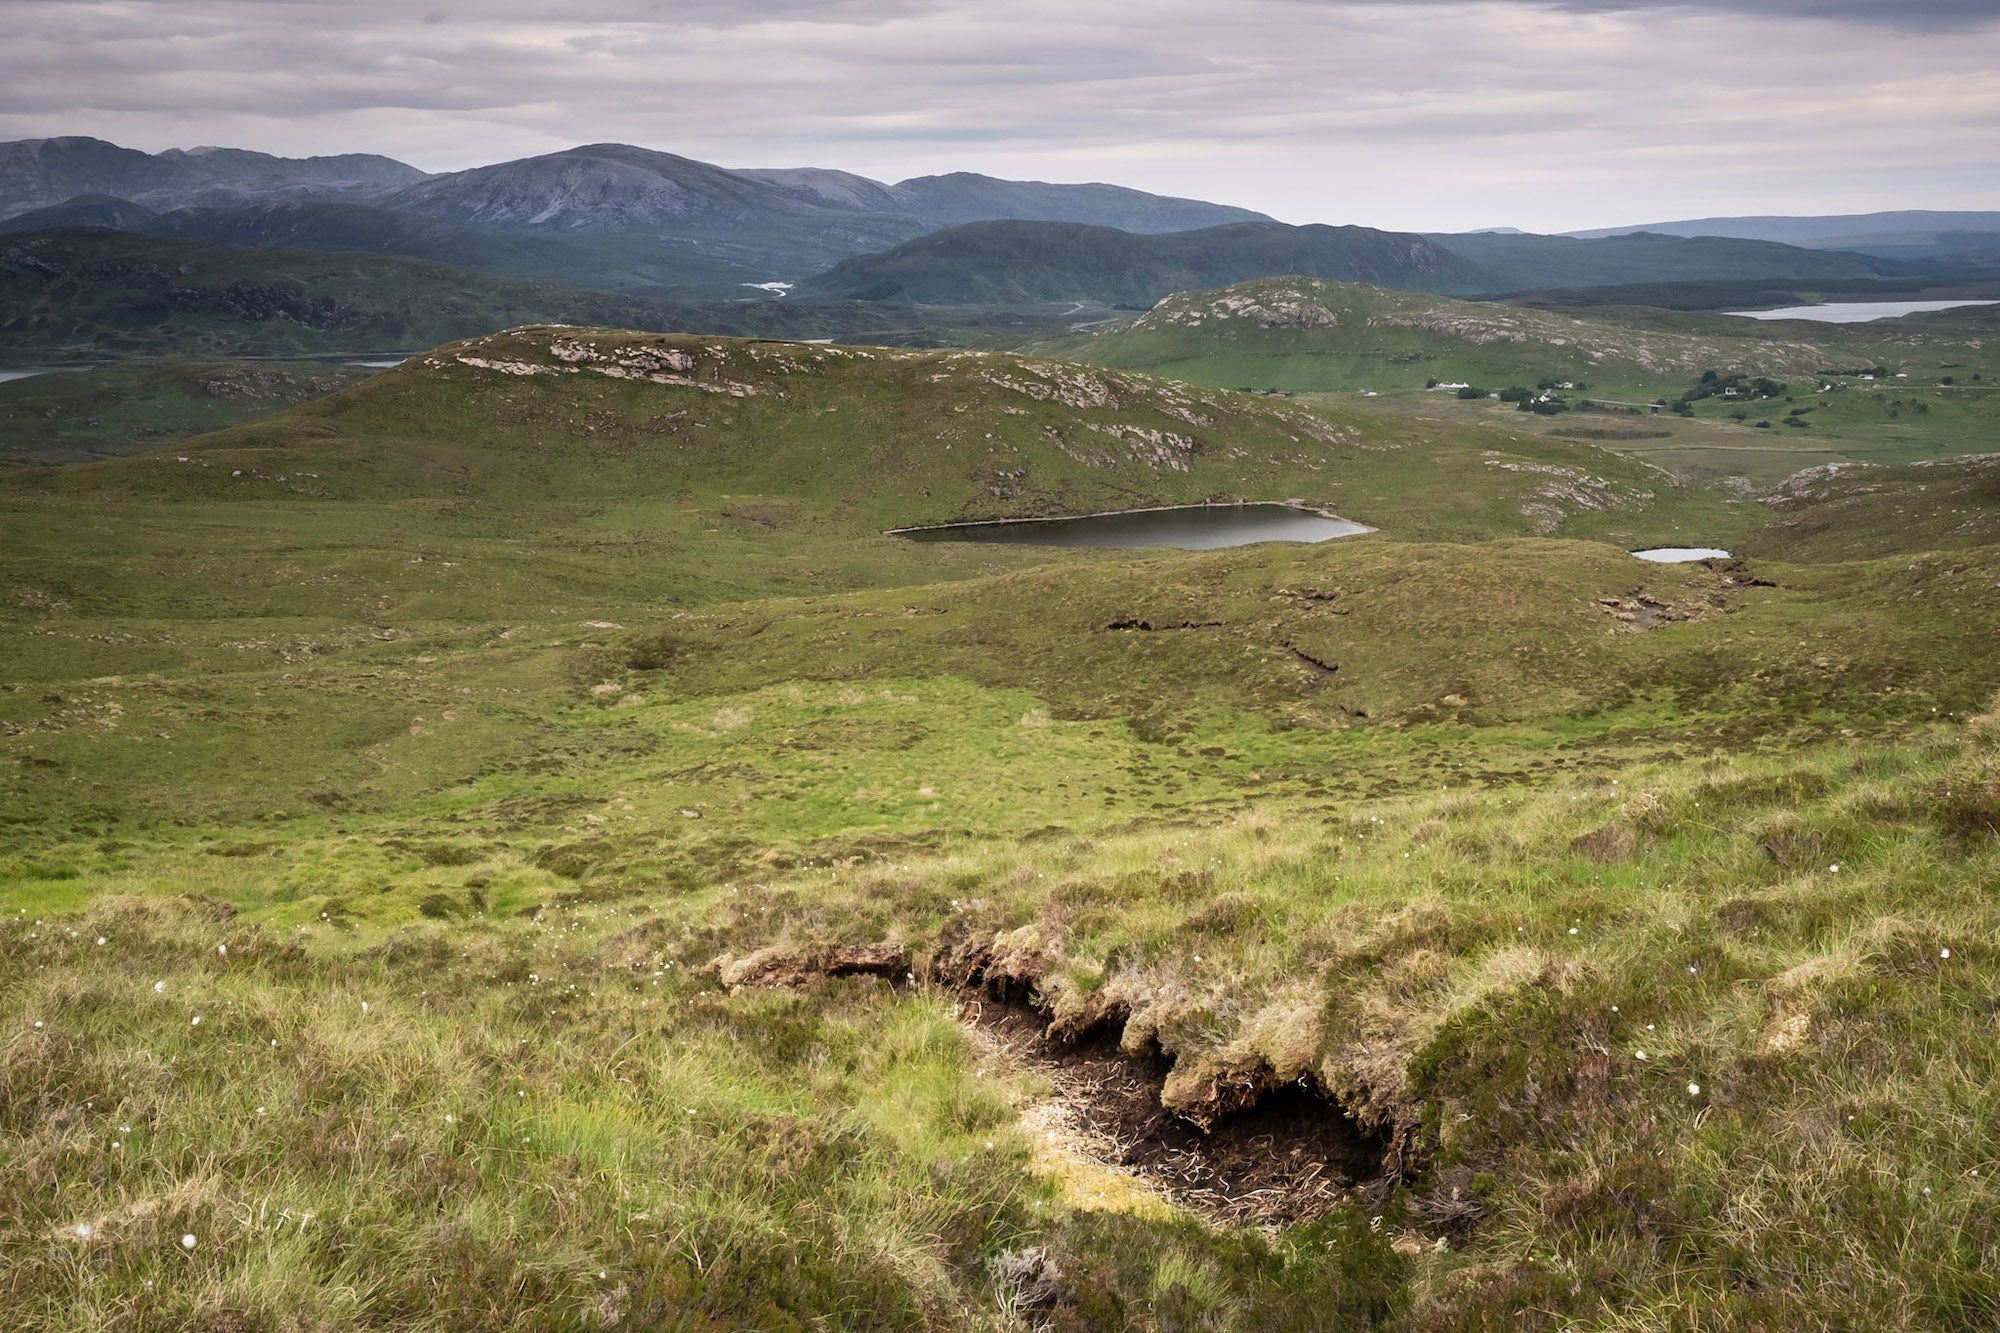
(1291, 1157)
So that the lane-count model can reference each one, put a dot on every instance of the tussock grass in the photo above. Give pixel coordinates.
(527, 1102)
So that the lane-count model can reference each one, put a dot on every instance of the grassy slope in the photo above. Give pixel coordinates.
(848, 442)
(254, 693)
(1856, 512)
(130, 407)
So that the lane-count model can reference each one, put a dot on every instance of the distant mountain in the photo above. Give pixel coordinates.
(601, 215)
(38, 173)
(86, 210)
(964, 197)
(755, 228)
(621, 262)
(824, 188)
(1011, 263)
(775, 221)
(1839, 231)
(1523, 263)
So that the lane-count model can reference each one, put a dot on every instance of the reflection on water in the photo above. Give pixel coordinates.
(1192, 528)
(1680, 555)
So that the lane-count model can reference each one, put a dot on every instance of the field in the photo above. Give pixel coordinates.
(512, 844)
(1933, 398)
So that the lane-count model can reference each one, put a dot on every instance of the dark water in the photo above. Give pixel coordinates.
(1193, 528)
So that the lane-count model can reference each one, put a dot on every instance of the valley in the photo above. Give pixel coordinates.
(519, 832)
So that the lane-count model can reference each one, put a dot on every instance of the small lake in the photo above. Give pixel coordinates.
(377, 365)
(1680, 555)
(8, 376)
(1190, 528)
(1855, 312)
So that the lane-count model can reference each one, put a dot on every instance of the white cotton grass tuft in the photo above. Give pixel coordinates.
(187, 1241)
(1694, 1089)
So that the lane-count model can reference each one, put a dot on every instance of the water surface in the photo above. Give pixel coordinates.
(1855, 312)
(29, 372)
(1190, 528)
(1680, 555)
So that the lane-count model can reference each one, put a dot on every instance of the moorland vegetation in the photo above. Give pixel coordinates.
(514, 844)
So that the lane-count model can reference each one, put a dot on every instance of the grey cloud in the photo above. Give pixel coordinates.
(1391, 114)
(1918, 15)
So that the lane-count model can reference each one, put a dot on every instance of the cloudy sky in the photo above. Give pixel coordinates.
(1427, 114)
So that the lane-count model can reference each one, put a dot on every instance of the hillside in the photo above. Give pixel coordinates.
(1722, 398)
(962, 196)
(1856, 511)
(1841, 231)
(1028, 262)
(1524, 263)
(1301, 335)
(613, 879)
(1012, 263)
(96, 292)
(87, 210)
(129, 407)
(854, 441)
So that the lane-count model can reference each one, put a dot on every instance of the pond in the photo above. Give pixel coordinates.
(1855, 312)
(1188, 527)
(1680, 555)
(29, 372)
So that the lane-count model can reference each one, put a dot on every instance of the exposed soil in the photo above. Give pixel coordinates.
(1148, 627)
(1290, 1157)
(1260, 1154)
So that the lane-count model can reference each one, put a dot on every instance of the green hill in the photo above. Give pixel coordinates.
(1527, 263)
(1014, 263)
(96, 292)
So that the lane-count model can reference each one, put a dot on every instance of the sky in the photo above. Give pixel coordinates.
(1430, 115)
